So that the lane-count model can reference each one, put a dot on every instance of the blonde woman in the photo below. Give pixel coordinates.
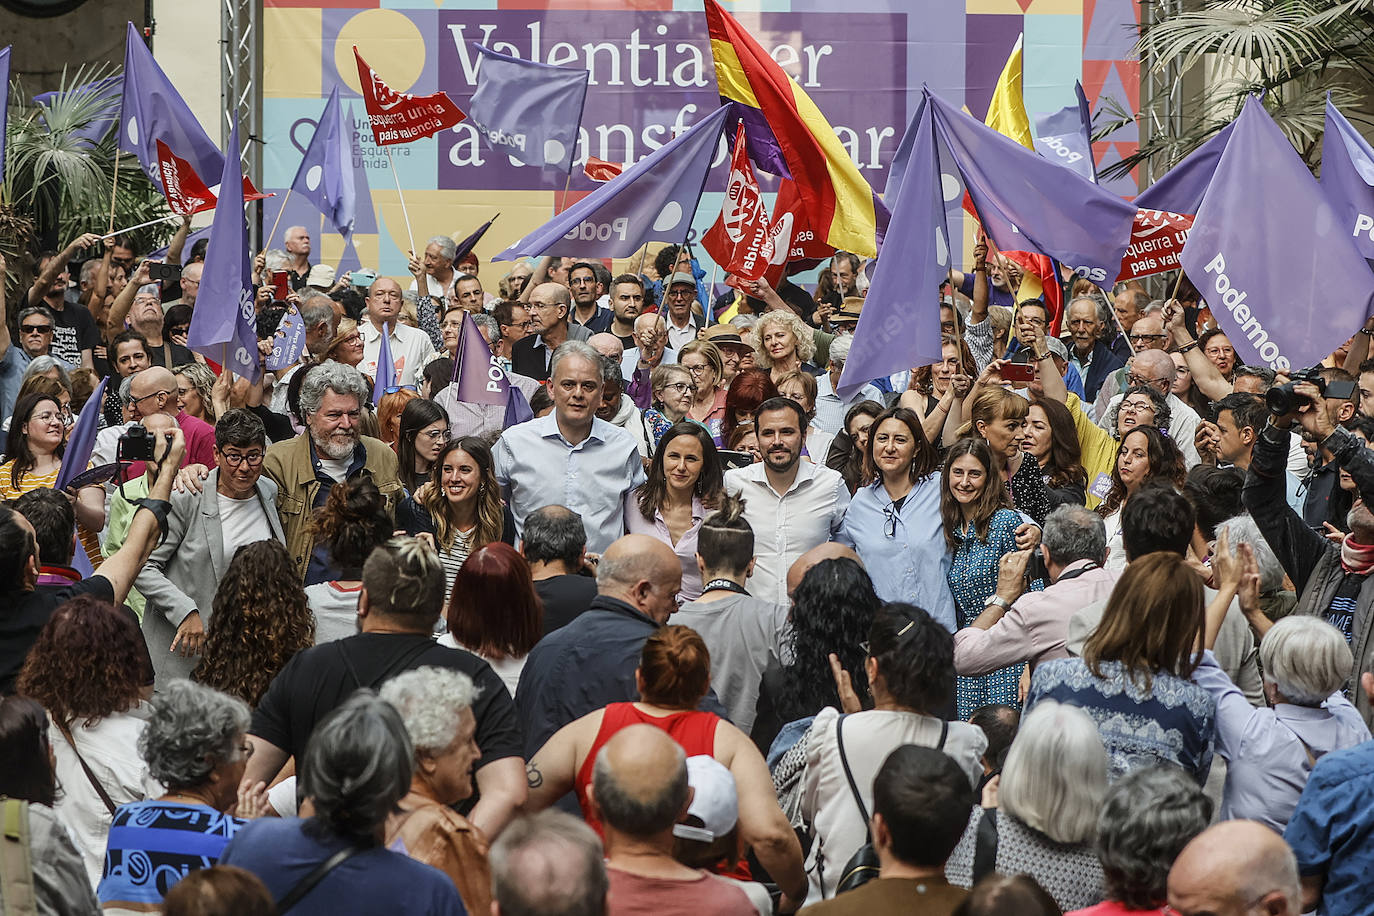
(783, 343)
(194, 384)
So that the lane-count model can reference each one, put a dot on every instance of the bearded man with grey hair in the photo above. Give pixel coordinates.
(331, 450)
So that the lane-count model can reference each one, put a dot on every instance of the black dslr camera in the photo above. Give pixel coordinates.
(137, 444)
(1283, 399)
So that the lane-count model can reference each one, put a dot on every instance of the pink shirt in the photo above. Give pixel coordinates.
(685, 548)
(1111, 908)
(1037, 626)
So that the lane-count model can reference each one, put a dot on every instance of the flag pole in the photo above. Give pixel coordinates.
(151, 222)
(404, 214)
(284, 201)
(114, 193)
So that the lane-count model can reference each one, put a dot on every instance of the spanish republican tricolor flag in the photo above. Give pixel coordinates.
(789, 136)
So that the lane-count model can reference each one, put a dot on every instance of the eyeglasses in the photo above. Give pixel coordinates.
(1038, 322)
(890, 520)
(1134, 379)
(235, 459)
(395, 388)
(181, 329)
(436, 435)
(36, 328)
(682, 294)
(1145, 338)
(156, 394)
(695, 370)
(1137, 407)
(681, 387)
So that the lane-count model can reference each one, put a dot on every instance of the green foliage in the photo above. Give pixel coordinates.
(61, 180)
(1293, 52)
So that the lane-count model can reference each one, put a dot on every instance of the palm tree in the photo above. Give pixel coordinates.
(1291, 52)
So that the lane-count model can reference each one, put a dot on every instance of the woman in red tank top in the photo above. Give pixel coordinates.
(674, 675)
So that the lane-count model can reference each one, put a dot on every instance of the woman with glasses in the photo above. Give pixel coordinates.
(462, 509)
(685, 482)
(1140, 406)
(674, 392)
(37, 440)
(347, 345)
(706, 364)
(893, 521)
(934, 388)
(195, 744)
(423, 433)
(908, 660)
(979, 528)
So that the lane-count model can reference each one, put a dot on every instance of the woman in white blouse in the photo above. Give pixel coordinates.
(494, 611)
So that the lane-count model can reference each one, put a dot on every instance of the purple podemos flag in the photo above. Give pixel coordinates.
(1271, 255)
(651, 201)
(224, 324)
(1348, 178)
(900, 326)
(1180, 189)
(477, 375)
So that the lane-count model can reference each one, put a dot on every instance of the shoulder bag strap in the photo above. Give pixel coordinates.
(849, 775)
(17, 894)
(95, 783)
(944, 733)
(307, 884)
(985, 845)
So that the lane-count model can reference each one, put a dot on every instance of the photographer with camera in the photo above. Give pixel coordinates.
(28, 604)
(1332, 580)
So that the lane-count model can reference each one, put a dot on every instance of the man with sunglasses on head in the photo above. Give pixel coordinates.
(236, 507)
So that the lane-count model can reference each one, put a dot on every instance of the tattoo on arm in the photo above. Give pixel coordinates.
(533, 777)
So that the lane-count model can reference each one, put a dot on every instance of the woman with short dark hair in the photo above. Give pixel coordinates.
(26, 776)
(909, 669)
(357, 766)
(495, 575)
(673, 676)
(195, 745)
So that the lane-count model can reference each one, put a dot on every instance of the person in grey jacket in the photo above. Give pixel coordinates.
(1332, 579)
(237, 506)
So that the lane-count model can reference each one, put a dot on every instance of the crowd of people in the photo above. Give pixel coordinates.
(1072, 622)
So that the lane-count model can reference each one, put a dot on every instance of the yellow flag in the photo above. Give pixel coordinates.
(1007, 112)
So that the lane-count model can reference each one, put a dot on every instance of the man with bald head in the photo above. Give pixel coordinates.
(411, 348)
(830, 550)
(1155, 369)
(154, 391)
(640, 791)
(610, 346)
(592, 661)
(1146, 334)
(1236, 868)
(550, 305)
(548, 864)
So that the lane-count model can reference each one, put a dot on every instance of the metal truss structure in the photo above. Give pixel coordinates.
(241, 90)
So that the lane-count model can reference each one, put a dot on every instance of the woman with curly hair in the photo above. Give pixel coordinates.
(462, 509)
(832, 610)
(685, 481)
(352, 522)
(89, 668)
(194, 386)
(1144, 455)
(260, 620)
(195, 745)
(750, 388)
(495, 575)
(784, 343)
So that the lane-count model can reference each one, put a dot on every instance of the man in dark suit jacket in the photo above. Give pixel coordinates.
(549, 307)
(1093, 358)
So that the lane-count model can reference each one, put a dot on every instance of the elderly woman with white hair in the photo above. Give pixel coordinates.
(436, 706)
(1270, 751)
(784, 343)
(1049, 795)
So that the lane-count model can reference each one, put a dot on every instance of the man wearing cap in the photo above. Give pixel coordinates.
(830, 407)
(683, 325)
(707, 836)
(845, 319)
(321, 278)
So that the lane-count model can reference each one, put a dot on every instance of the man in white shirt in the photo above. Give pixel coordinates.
(830, 407)
(411, 348)
(438, 262)
(683, 326)
(791, 505)
(569, 457)
(236, 507)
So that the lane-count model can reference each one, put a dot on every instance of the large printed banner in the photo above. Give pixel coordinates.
(862, 62)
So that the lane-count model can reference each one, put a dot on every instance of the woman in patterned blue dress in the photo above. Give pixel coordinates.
(195, 745)
(979, 528)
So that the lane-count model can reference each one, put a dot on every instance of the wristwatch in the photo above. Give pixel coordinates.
(998, 601)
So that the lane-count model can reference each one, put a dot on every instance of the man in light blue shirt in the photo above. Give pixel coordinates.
(830, 407)
(569, 457)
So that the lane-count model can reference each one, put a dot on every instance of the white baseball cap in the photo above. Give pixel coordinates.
(714, 800)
